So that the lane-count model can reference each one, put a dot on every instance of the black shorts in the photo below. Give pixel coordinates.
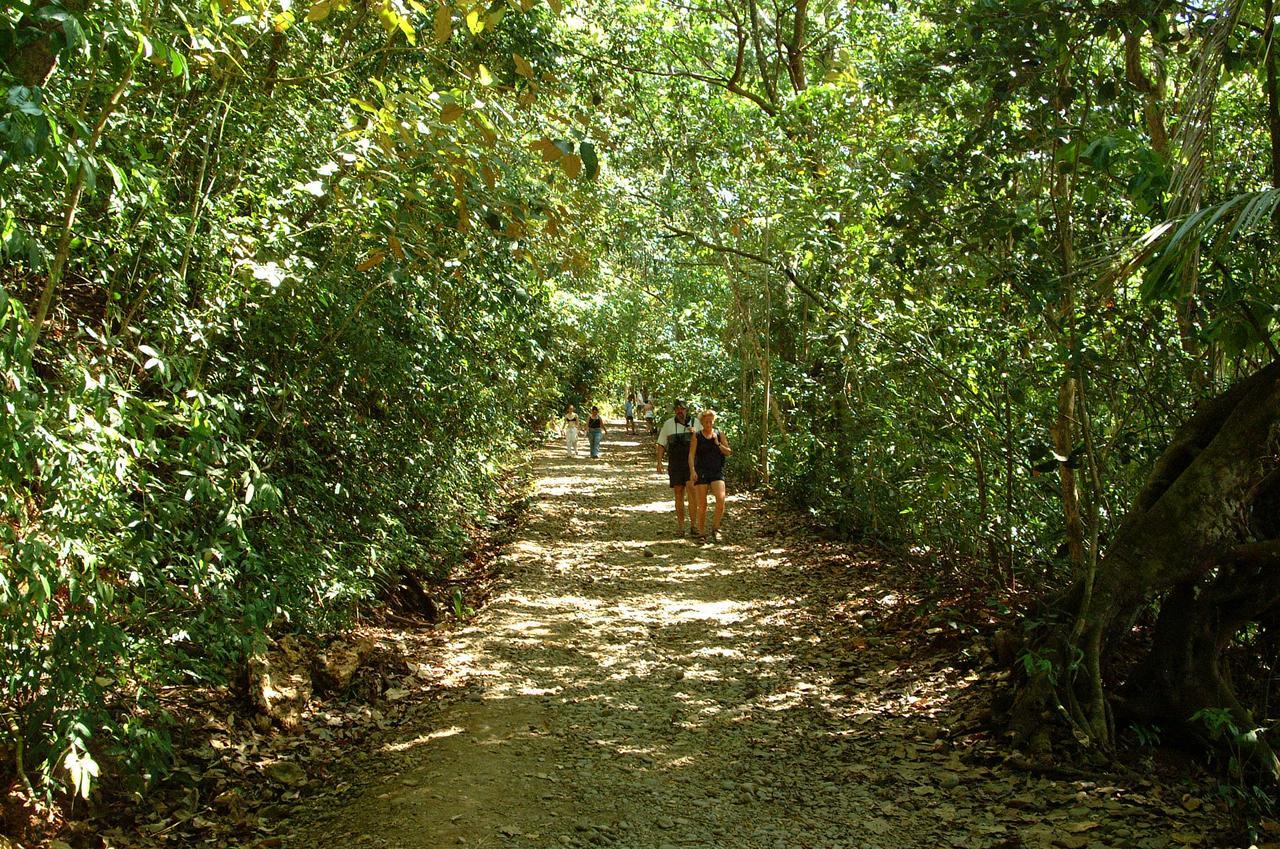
(678, 473)
(707, 476)
(630, 419)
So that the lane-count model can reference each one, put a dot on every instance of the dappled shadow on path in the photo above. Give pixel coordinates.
(634, 689)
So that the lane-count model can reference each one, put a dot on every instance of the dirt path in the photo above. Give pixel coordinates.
(631, 689)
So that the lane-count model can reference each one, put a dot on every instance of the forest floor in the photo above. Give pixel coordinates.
(628, 688)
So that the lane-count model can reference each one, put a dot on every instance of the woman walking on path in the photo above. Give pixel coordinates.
(631, 413)
(595, 431)
(707, 451)
(570, 429)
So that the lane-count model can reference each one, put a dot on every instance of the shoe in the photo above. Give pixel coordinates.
(715, 535)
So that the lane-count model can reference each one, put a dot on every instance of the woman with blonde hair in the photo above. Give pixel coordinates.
(707, 451)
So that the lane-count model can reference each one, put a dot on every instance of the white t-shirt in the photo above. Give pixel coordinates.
(670, 428)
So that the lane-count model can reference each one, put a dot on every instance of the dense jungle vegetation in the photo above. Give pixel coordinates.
(286, 285)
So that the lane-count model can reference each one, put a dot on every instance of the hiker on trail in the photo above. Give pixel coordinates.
(631, 413)
(707, 451)
(649, 417)
(570, 431)
(595, 431)
(674, 441)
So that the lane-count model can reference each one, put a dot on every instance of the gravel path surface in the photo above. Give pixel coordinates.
(632, 689)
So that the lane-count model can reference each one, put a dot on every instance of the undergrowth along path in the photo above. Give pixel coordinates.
(632, 689)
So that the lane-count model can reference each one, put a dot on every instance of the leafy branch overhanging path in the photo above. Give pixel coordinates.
(631, 689)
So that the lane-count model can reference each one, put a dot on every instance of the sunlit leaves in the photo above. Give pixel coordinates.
(319, 11)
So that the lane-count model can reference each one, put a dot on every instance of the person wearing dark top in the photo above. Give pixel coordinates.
(673, 441)
(707, 450)
(595, 431)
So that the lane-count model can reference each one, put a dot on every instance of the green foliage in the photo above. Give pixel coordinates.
(1248, 796)
(286, 284)
(298, 325)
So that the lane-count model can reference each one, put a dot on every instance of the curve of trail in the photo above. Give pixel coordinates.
(633, 689)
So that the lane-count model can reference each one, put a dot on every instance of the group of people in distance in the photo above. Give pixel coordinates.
(643, 408)
(694, 451)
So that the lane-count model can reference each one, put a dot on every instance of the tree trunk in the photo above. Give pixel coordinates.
(1184, 529)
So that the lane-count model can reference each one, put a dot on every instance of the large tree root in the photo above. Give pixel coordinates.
(1199, 542)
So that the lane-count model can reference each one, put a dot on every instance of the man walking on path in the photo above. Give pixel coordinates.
(673, 441)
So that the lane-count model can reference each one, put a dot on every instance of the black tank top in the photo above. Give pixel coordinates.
(595, 424)
(707, 453)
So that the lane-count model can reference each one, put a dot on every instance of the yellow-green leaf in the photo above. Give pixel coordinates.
(572, 165)
(319, 11)
(450, 113)
(483, 76)
(523, 68)
(444, 24)
(475, 23)
(407, 28)
(364, 104)
(555, 5)
(397, 249)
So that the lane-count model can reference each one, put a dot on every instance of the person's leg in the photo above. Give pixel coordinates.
(679, 492)
(595, 444)
(696, 509)
(717, 489)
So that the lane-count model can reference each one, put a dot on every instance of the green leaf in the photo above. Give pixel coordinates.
(590, 161)
(74, 34)
(117, 176)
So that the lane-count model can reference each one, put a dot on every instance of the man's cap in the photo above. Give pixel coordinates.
(679, 404)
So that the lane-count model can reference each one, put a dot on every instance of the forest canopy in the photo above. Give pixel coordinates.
(287, 285)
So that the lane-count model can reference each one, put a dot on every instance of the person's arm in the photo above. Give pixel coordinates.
(693, 449)
(723, 444)
(662, 448)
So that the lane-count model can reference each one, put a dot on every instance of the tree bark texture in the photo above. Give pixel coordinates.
(1190, 544)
